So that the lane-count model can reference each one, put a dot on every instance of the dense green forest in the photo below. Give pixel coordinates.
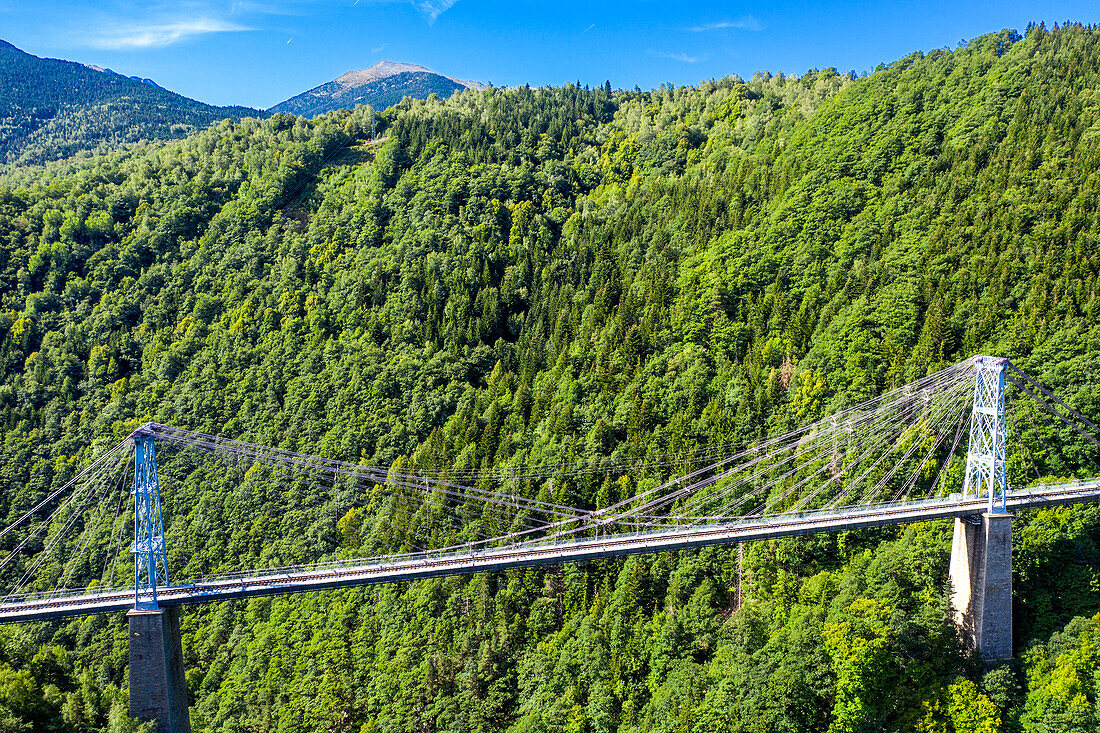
(52, 109)
(540, 275)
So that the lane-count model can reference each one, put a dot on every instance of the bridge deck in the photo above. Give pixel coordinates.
(341, 575)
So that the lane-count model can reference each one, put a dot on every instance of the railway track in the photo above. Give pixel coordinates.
(348, 574)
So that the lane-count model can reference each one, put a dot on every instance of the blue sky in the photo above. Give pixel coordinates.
(259, 52)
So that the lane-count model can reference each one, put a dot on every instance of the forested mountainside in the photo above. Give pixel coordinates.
(52, 109)
(540, 276)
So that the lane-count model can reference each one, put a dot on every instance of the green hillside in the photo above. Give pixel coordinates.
(539, 276)
(51, 109)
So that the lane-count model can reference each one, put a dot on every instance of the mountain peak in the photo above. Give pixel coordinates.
(385, 69)
(379, 71)
(383, 84)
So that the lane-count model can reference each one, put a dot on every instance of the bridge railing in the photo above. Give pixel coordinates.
(98, 591)
(1041, 493)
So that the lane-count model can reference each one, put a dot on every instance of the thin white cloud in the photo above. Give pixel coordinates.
(380, 49)
(588, 29)
(245, 7)
(158, 35)
(432, 9)
(157, 31)
(681, 56)
(748, 23)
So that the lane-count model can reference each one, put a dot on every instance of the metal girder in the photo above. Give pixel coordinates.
(150, 560)
(369, 571)
(985, 457)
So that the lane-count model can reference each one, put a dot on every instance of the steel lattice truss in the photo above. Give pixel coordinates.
(985, 459)
(148, 548)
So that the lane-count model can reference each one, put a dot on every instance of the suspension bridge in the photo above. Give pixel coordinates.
(935, 448)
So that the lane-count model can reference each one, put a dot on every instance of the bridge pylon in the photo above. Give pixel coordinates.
(150, 560)
(985, 456)
(981, 550)
(158, 687)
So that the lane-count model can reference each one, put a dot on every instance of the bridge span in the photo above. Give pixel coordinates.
(350, 573)
(882, 462)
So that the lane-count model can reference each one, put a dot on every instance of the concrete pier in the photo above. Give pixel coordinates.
(158, 688)
(981, 580)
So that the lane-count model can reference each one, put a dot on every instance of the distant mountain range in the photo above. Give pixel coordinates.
(51, 109)
(380, 86)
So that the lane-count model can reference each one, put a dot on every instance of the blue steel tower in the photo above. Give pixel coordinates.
(985, 458)
(150, 561)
